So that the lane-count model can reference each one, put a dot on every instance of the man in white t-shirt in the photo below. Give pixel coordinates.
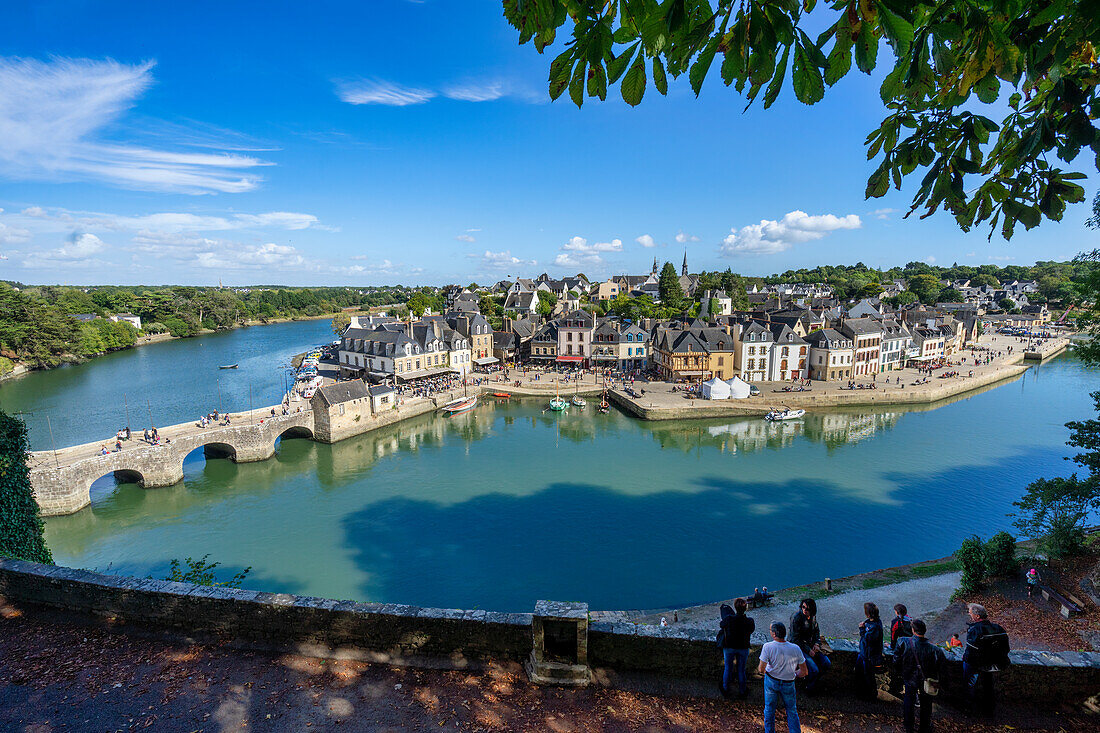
(781, 662)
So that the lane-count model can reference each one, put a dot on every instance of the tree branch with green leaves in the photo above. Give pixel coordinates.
(950, 58)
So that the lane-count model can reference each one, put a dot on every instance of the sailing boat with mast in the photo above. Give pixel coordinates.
(462, 404)
(577, 399)
(557, 404)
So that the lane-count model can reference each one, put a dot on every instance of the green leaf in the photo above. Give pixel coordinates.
(660, 81)
(702, 65)
(777, 79)
(633, 86)
(597, 83)
(624, 35)
(576, 84)
(617, 65)
(988, 88)
(896, 29)
(879, 183)
(840, 63)
(866, 50)
(806, 78)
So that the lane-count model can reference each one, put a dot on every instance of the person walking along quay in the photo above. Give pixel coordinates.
(737, 628)
(920, 666)
(781, 662)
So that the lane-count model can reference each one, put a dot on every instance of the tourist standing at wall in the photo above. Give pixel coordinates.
(920, 666)
(737, 628)
(780, 663)
(869, 660)
(986, 652)
(806, 634)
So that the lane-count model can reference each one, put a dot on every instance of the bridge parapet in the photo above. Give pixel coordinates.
(62, 483)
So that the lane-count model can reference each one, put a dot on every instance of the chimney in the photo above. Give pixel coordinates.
(354, 322)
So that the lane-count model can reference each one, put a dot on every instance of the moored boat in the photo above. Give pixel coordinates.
(502, 395)
(228, 366)
(604, 407)
(784, 414)
(579, 401)
(558, 404)
(460, 405)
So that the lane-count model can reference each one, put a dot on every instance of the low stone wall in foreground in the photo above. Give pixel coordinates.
(398, 634)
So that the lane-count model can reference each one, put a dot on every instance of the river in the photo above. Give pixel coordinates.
(499, 507)
(160, 384)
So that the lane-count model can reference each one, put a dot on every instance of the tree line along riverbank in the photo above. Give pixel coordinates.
(39, 330)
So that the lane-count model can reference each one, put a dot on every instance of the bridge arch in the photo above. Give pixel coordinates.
(206, 451)
(294, 432)
(105, 485)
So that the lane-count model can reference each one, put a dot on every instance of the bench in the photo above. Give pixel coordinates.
(1069, 605)
(765, 599)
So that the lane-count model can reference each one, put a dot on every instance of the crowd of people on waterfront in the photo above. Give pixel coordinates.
(913, 665)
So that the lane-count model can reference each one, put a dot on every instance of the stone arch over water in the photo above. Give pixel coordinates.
(213, 450)
(118, 476)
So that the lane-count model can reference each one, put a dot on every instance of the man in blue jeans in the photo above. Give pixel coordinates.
(781, 662)
(737, 629)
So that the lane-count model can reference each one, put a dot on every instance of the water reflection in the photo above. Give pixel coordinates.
(498, 506)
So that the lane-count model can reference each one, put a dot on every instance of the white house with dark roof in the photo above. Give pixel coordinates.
(831, 354)
(866, 335)
(753, 345)
(790, 355)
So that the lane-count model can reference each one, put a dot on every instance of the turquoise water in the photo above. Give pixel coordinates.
(505, 505)
(159, 384)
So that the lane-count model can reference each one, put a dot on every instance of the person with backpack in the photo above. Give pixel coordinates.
(920, 665)
(869, 660)
(901, 627)
(733, 639)
(986, 652)
(806, 634)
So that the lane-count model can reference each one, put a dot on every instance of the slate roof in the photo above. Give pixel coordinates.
(334, 394)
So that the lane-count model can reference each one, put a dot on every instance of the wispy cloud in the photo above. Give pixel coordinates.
(376, 91)
(578, 252)
(81, 246)
(772, 237)
(53, 118)
(501, 260)
(476, 92)
(684, 238)
(166, 222)
(466, 238)
(883, 213)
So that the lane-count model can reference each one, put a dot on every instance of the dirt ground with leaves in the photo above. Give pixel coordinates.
(1032, 623)
(60, 672)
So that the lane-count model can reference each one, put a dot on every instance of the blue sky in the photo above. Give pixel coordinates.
(391, 141)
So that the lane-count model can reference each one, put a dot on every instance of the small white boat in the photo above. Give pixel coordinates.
(784, 414)
(558, 404)
(579, 401)
(460, 405)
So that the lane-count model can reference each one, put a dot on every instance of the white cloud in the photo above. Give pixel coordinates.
(1001, 258)
(466, 238)
(683, 238)
(580, 244)
(476, 92)
(172, 221)
(646, 241)
(930, 260)
(53, 115)
(971, 254)
(79, 248)
(375, 91)
(501, 260)
(474, 229)
(883, 213)
(771, 237)
(13, 235)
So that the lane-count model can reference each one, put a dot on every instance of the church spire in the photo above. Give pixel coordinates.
(684, 269)
(654, 265)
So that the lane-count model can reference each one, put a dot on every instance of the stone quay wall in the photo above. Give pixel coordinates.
(409, 635)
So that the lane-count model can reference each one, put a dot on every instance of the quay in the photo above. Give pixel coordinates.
(62, 479)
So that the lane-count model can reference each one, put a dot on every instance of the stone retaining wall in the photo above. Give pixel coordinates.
(398, 634)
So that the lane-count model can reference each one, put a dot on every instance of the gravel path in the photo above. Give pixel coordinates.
(838, 615)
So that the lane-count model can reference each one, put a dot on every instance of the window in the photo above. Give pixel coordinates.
(721, 361)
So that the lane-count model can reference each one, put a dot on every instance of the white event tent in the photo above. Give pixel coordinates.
(715, 389)
(739, 388)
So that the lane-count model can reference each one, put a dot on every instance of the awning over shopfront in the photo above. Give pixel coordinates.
(570, 358)
(692, 374)
(424, 374)
(486, 360)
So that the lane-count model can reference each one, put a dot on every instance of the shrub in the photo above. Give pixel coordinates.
(971, 556)
(6, 365)
(1000, 555)
(201, 572)
(21, 528)
(154, 327)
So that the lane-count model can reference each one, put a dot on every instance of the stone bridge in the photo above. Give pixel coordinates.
(62, 481)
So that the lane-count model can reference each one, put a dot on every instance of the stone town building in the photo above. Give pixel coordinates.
(753, 350)
(790, 354)
(831, 355)
(680, 355)
(544, 344)
(575, 337)
(896, 345)
(338, 410)
(479, 333)
(866, 335)
(620, 346)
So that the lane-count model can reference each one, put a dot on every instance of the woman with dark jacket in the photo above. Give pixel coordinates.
(870, 649)
(737, 628)
(805, 633)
